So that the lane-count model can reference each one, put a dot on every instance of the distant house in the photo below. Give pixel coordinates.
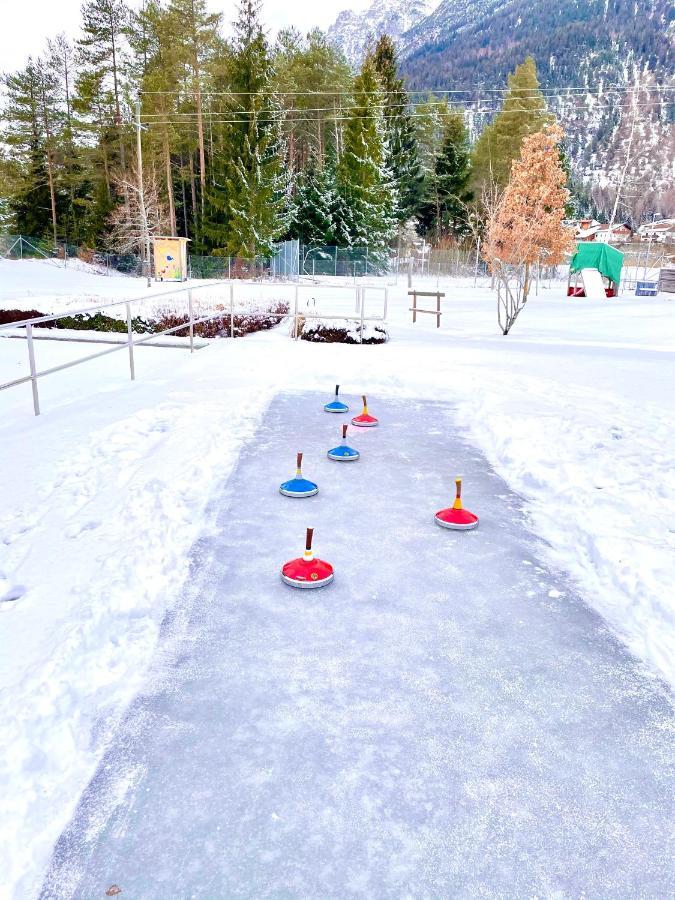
(591, 230)
(619, 234)
(661, 232)
(585, 229)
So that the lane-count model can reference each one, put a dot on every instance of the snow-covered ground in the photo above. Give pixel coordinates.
(104, 494)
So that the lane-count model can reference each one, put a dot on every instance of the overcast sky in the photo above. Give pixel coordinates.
(26, 24)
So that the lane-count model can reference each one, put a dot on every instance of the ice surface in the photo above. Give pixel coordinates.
(446, 719)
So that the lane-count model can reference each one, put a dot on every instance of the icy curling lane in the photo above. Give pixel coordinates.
(448, 719)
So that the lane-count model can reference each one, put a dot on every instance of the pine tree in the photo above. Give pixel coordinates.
(315, 78)
(444, 211)
(160, 64)
(60, 61)
(364, 181)
(98, 154)
(6, 181)
(102, 60)
(197, 36)
(523, 112)
(258, 192)
(401, 139)
(248, 199)
(431, 118)
(33, 118)
(313, 206)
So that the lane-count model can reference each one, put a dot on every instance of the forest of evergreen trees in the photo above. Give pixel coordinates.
(243, 143)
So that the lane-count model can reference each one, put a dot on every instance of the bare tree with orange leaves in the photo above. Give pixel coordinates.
(526, 227)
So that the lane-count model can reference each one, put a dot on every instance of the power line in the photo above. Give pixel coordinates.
(469, 105)
(280, 120)
(421, 91)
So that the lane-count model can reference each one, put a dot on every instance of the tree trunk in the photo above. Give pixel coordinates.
(198, 104)
(169, 184)
(118, 111)
(106, 170)
(48, 148)
(184, 195)
(193, 187)
(526, 282)
(69, 145)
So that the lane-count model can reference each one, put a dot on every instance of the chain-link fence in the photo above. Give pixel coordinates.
(289, 261)
(282, 265)
(355, 262)
(21, 246)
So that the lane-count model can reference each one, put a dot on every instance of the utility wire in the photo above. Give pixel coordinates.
(288, 115)
(404, 92)
(471, 104)
(291, 120)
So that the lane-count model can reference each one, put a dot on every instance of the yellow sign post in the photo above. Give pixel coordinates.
(170, 258)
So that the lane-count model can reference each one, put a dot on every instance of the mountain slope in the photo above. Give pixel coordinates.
(352, 31)
(573, 41)
(600, 47)
(590, 55)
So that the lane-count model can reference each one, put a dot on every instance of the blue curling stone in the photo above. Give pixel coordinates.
(343, 454)
(299, 487)
(336, 406)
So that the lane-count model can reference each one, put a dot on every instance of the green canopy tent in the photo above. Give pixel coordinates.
(591, 255)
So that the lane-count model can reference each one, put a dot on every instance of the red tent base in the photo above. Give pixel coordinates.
(301, 573)
(365, 421)
(456, 519)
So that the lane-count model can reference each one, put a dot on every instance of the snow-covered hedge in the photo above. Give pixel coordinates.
(342, 332)
(244, 323)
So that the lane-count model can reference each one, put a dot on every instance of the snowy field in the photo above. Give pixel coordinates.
(106, 492)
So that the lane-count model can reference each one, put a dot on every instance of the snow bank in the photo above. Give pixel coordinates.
(597, 470)
(95, 547)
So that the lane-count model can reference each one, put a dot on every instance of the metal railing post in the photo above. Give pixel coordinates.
(192, 323)
(232, 309)
(130, 339)
(295, 313)
(33, 370)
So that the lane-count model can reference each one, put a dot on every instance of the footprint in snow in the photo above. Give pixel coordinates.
(78, 528)
(14, 593)
(20, 529)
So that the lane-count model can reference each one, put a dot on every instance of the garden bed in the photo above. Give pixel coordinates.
(219, 326)
(347, 331)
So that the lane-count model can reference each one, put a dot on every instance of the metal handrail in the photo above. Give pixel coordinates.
(81, 312)
(130, 343)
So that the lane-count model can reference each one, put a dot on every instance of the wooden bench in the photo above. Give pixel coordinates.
(414, 309)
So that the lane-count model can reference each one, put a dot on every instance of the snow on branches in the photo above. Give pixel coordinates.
(131, 225)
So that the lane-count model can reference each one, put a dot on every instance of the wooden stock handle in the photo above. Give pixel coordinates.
(363, 397)
(308, 541)
(344, 432)
(337, 389)
(299, 462)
